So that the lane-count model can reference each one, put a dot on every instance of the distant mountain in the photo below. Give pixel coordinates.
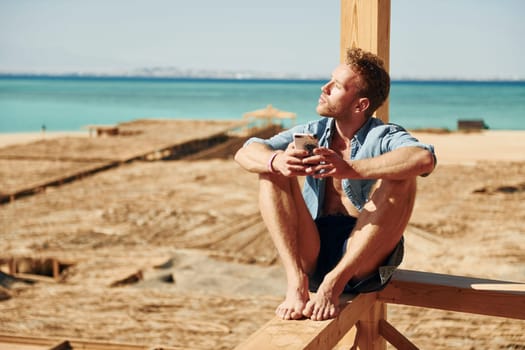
(171, 72)
(174, 72)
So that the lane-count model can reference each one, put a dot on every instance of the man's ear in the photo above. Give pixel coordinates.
(362, 104)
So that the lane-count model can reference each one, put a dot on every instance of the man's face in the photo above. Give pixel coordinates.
(339, 94)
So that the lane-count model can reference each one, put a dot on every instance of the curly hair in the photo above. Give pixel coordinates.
(374, 79)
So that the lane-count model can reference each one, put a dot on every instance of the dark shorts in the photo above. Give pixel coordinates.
(334, 232)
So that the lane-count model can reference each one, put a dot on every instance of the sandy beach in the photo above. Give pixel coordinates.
(208, 275)
(8, 139)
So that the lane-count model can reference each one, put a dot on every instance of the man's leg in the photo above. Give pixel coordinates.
(294, 234)
(384, 220)
(379, 228)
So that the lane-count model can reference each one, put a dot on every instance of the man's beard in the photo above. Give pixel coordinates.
(325, 110)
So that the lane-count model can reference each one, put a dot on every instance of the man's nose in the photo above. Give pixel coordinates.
(326, 88)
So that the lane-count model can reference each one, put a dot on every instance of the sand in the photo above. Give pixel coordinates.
(473, 147)
(8, 139)
(210, 275)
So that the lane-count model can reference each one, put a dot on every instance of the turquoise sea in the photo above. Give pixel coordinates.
(69, 103)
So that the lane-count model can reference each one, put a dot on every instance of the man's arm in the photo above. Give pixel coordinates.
(402, 163)
(399, 164)
(258, 158)
(254, 157)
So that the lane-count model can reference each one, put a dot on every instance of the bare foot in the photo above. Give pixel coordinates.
(321, 307)
(292, 307)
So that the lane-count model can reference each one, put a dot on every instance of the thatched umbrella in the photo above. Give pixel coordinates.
(268, 114)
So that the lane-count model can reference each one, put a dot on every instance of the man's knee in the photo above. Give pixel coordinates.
(283, 192)
(394, 197)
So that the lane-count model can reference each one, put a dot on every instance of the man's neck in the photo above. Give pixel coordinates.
(348, 128)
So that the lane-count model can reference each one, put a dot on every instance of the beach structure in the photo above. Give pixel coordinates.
(362, 322)
(269, 115)
(102, 130)
(471, 125)
(81, 157)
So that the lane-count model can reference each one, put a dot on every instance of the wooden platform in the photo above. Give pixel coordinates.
(136, 139)
(368, 314)
(69, 159)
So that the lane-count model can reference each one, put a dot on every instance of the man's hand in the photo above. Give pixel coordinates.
(289, 163)
(400, 164)
(327, 163)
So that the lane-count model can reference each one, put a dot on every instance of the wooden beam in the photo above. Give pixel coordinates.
(456, 293)
(424, 289)
(394, 337)
(366, 24)
(347, 341)
(307, 334)
(368, 328)
(63, 345)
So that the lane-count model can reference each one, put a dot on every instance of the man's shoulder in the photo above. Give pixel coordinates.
(377, 137)
(376, 127)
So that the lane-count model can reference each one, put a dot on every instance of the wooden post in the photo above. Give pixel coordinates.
(366, 24)
(368, 337)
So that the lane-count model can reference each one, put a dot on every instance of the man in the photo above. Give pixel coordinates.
(344, 232)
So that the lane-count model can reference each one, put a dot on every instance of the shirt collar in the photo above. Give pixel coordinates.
(361, 134)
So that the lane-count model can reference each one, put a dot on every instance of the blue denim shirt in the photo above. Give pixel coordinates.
(373, 139)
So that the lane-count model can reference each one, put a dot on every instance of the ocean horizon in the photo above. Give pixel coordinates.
(70, 102)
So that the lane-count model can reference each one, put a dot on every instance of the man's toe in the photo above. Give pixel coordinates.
(296, 315)
(307, 311)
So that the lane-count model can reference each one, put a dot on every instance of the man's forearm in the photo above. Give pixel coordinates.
(254, 157)
(400, 164)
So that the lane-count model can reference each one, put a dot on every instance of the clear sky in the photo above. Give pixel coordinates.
(472, 39)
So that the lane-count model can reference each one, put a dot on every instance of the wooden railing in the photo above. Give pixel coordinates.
(368, 313)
